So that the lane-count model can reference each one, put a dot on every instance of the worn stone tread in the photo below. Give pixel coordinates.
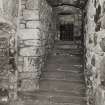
(54, 97)
(69, 68)
(64, 76)
(62, 82)
(60, 85)
(33, 102)
(54, 93)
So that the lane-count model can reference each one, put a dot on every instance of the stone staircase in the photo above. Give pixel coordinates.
(62, 83)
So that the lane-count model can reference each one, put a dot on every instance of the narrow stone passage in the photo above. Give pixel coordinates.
(63, 82)
(52, 52)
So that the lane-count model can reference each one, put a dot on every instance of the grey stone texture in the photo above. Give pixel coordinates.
(95, 52)
(8, 67)
(37, 31)
(37, 34)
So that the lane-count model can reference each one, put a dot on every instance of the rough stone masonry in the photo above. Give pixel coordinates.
(36, 39)
(95, 51)
(24, 52)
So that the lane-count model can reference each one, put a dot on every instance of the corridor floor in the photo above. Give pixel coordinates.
(63, 82)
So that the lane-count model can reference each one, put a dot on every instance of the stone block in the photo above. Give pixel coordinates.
(45, 35)
(30, 14)
(23, 6)
(12, 78)
(32, 4)
(93, 60)
(20, 59)
(95, 39)
(29, 43)
(29, 85)
(102, 69)
(32, 51)
(4, 93)
(22, 21)
(4, 83)
(29, 34)
(20, 64)
(20, 68)
(17, 102)
(100, 96)
(43, 42)
(28, 75)
(23, 2)
(33, 24)
(22, 26)
(103, 22)
(102, 44)
(32, 64)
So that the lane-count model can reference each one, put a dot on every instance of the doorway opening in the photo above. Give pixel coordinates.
(67, 32)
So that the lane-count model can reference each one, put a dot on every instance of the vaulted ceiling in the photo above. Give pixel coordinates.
(75, 3)
(65, 7)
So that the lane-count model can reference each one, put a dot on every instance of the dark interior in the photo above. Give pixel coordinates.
(66, 32)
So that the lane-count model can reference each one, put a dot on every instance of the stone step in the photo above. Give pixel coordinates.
(64, 42)
(59, 85)
(54, 93)
(70, 46)
(75, 57)
(45, 102)
(69, 68)
(57, 48)
(74, 100)
(4, 103)
(66, 58)
(67, 62)
(71, 71)
(62, 93)
(52, 97)
(67, 53)
(62, 75)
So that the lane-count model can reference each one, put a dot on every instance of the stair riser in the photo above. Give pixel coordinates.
(61, 86)
(62, 82)
(54, 99)
(66, 77)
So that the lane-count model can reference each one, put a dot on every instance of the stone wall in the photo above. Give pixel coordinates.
(95, 51)
(25, 43)
(8, 68)
(77, 25)
(8, 11)
(36, 39)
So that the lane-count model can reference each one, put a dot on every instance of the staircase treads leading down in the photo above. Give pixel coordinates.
(53, 97)
(62, 75)
(62, 82)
